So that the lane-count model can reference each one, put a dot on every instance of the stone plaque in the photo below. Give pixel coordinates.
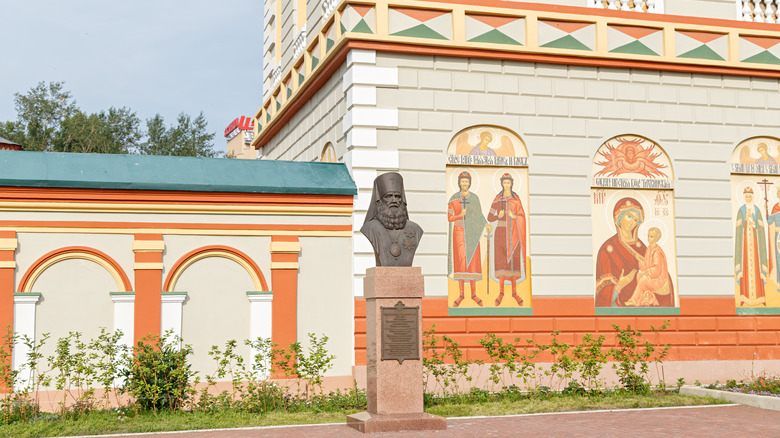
(400, 333)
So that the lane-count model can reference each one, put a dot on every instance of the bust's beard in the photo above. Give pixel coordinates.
(392, 218)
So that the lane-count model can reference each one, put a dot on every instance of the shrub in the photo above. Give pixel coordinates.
(444, 361)
(309, 366)
(634, 357)
(159, 376)
(503, 358)
(591, 359)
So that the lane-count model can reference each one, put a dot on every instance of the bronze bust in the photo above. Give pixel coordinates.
(394, 237)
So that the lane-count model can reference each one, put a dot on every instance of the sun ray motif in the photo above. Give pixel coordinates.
(629, 156)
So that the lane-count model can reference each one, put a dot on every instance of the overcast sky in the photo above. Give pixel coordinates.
(154, 56)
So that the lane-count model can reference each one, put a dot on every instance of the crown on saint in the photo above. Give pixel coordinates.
(465, 174)
(506, 176)
(748, 190)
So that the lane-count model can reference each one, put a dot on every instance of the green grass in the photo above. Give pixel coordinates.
(567, 403)
(111, 422)
(108, 423)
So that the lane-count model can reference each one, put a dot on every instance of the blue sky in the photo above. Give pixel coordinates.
(155, 56)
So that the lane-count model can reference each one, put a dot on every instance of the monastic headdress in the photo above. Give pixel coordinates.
(383, 184)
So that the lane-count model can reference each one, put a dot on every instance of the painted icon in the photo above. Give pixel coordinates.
(488, 262)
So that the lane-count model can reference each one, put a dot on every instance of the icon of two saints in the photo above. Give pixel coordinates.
(504, 229)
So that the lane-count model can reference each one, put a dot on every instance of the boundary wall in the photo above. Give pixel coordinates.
(236, 255)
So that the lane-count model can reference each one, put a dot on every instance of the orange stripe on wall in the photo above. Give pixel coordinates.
(180, 226)
(558, 59)
(708, 328)
(38, 194)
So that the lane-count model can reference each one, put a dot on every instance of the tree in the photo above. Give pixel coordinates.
(49, 120)
(114, 132)
(40, 112)
(188, 138)
(13, 131)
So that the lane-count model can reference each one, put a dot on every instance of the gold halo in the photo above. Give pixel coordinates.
(496, 179)
(455, 187)
(617, 196)
(741, 187)
(645, 226)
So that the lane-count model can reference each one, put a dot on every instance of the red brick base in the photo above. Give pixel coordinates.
(708, 328)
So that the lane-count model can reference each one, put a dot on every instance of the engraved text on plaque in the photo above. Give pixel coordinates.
(400, 333)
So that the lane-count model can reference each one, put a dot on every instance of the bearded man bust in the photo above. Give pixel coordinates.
(393, 236)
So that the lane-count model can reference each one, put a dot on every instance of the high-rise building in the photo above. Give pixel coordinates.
(239, 134)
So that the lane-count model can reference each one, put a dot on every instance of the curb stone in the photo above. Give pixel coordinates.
(758, 401)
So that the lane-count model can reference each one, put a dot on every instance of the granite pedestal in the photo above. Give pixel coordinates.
(394, 387)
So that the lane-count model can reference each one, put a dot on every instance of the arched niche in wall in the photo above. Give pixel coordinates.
(755, 206)
(328, 154)
(634, 238)
(70, 289)
(208, 300)
(488, 257)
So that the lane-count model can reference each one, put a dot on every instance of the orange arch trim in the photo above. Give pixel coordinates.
(76, 252)
(215, 251)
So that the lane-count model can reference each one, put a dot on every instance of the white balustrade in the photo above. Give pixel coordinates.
(300, 42)
(652, 6)
(328, 6)
(758, 11)
(276, 75)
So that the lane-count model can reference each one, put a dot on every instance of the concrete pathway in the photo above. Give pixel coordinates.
(711, 421)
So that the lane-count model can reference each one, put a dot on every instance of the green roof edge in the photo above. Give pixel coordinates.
(192, 174)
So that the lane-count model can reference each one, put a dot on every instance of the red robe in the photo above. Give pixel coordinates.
(614, 260)
(509, 239)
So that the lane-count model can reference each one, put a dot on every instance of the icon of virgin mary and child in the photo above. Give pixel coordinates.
(628, 272)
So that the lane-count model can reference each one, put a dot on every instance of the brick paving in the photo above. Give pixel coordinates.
(714, 421)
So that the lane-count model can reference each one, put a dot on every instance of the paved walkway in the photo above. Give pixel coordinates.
(714, 421)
